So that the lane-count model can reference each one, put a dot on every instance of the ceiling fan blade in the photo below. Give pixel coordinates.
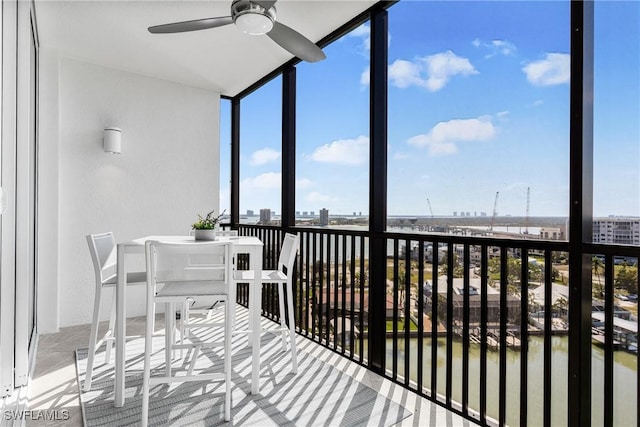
(295, 43)
(265, 4)
(196, 24)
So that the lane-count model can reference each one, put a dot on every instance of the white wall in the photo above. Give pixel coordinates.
(167, 173)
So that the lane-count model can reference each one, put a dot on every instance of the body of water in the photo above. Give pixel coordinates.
(625, 379)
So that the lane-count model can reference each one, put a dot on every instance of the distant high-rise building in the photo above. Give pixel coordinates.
(468, 213)
(249, 212)
(265, 215)
(324, 217)
(455, 213)
(483, 214)
(297, 213)
(305, 213)
(619, 230)
(313, 213)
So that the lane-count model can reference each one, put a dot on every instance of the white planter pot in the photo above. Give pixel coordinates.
(205, 234)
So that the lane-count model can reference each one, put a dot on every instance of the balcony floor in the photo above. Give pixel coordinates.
(54, 384)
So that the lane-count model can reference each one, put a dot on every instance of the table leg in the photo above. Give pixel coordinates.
(121, 328)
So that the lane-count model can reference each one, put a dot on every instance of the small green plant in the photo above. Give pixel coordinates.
(209, 222)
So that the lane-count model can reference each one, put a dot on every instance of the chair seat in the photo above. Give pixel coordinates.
(192, 289)
(138, 278)
(268, 276)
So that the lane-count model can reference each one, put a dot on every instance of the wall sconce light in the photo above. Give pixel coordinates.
(113, 140)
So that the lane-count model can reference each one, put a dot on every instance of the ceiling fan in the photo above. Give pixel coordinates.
(256, 18)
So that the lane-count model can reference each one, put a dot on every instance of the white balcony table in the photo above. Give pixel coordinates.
(241, 245)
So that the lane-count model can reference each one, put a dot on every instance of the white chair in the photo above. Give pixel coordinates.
(197, 308)
(283, 276)
(102, 248)
(177, 272)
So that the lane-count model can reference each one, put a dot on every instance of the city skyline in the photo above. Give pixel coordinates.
(474, 109)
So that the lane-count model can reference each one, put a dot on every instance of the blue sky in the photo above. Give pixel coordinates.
(478, 104)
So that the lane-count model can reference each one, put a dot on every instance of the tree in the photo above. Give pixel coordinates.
(458, 268)
(560, 306)
(513, 273)
(535, 272)
(597, 267)
(627, 279)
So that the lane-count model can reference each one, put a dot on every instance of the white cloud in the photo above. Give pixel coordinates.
(502, 114)
(442, 138)
(266, 155)
(536, 103)
(554, 69)
(403, 74)
(353, 151)
(364, 32)
(400, 156)
(365, 77)
(503, 47)
(303, 183)
(496, 47)
(314, 196)
(265, 181)
(432, 72)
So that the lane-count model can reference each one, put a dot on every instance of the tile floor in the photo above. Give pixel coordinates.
(54, 387)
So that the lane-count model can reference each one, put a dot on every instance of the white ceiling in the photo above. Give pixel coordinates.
(114, 33)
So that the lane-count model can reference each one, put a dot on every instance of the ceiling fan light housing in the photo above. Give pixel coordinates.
(252, 18)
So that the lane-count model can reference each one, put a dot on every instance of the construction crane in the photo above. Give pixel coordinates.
(526, 217)
(430, 210)
(495, 212)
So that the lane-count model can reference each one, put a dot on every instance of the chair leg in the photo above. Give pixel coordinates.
(147, 359)
(227, 359)
(168, 336)
(112, 328)
(184, 323)
(283, 320)
(93, 337)
(292, 328)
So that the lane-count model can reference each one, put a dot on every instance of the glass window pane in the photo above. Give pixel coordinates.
(616, 138)
(479, 117)
(332, 135)
(260, 155)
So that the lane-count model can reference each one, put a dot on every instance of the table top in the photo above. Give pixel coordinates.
(236, 240)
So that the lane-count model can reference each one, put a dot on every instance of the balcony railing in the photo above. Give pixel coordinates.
(478, 325)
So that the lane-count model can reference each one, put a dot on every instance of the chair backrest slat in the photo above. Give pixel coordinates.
(198, 261)
(103, 254)
(288, 253)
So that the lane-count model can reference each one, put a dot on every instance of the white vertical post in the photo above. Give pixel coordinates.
(8, 181)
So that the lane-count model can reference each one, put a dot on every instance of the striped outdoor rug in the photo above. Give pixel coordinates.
(319, 395)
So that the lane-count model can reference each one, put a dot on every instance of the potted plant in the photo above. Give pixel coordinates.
(205, 228)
